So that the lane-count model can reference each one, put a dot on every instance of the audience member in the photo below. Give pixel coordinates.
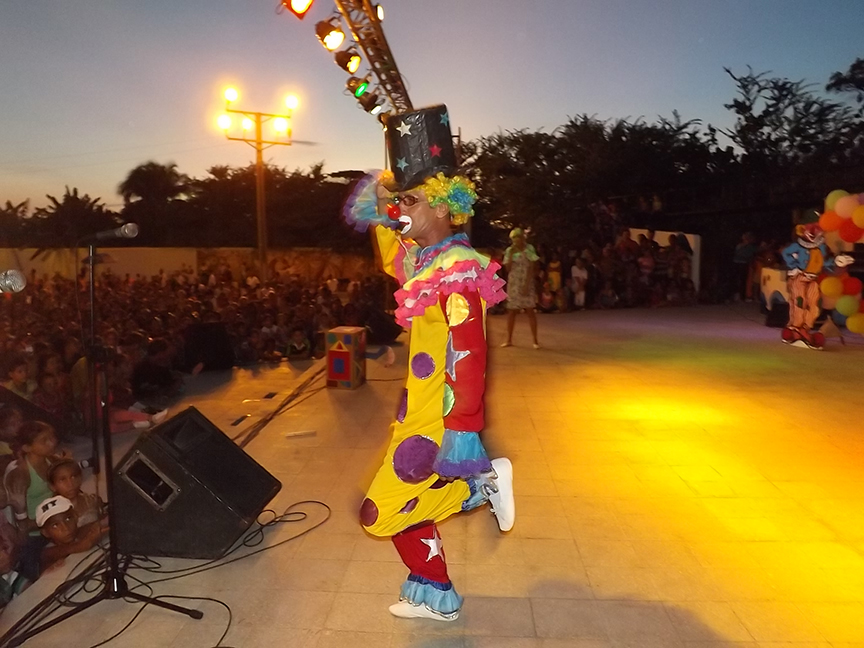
(58, 523)
(65, 479)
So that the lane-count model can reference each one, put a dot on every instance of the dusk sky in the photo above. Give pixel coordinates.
(92, 88)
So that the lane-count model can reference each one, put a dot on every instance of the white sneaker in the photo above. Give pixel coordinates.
(502, 501)
(406, 610)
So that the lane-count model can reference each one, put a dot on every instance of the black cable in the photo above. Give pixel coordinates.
(246, 436)
(59, 597)
(170, 596)
(213, 564)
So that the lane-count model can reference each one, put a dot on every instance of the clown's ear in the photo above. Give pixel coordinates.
(799, 230)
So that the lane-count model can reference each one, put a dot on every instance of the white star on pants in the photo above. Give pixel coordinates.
(434, 544)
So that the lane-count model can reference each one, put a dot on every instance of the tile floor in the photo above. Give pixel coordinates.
(682, 479)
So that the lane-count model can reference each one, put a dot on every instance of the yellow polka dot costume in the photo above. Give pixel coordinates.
(435, 464)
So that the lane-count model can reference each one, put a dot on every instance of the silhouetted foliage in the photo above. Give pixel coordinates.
(788, 146)
(852, 80)
(66, 221)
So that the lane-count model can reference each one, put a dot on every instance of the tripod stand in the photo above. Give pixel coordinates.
(114, 578)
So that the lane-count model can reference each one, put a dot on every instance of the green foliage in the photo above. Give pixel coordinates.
(788, 146)
(64, 222)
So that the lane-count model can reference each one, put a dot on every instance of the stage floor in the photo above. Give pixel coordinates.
(682, 479)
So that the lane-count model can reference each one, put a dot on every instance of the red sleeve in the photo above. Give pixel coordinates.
(465, 373)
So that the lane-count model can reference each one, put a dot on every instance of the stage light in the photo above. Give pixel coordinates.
(280, 125)
(357, 87)
(231, 94)
(292, 101)
(330, 34)
(379, 11)
(224, 122)
(247, 123)
(298, 7)
(349, 60)
(372, 103)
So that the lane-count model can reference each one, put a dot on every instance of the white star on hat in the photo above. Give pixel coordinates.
(404, 128)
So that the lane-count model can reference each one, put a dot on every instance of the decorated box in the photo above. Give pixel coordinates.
(346, 357)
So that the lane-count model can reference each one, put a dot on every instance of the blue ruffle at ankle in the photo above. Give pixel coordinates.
(462, 455)
(438, 597)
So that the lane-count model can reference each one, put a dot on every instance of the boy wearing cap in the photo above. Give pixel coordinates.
(436, 464)
(58, 521)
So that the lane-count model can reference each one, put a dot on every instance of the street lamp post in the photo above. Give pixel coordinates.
(256, 120)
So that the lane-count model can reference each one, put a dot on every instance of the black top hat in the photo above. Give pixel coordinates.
(420, 146)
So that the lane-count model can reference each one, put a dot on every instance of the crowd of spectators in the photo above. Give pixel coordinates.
(145, 331)
(615, 271)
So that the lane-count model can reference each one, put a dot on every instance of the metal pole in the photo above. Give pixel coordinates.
(260, 205)
(90, 354)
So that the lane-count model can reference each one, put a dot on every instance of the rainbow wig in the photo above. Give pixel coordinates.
(457, 192)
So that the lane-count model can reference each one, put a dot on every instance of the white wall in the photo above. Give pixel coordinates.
(144, 261)
(694, 240)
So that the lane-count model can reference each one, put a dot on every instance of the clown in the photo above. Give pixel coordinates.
(435, 464)
(806, 259)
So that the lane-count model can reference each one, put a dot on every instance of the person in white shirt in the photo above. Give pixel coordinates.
(579, 274)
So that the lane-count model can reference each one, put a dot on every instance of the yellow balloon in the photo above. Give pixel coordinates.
(858, 216)
(855, 323)
(832, 287)
(832, 198)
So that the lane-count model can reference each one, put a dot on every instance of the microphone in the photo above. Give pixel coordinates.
(126, 231)
(12, 281)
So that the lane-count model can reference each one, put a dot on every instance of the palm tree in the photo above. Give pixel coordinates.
(65, 221)
(152, 194)
(154, 184)
(13, 223)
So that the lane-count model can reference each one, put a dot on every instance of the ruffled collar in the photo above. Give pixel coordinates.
(427, 255)
(445, 268)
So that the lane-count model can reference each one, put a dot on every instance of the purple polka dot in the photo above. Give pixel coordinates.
(413, 459)
(403, 407)
(422, 365)
(368, 513)
(411, 505)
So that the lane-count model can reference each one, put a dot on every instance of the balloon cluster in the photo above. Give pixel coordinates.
(844, 213)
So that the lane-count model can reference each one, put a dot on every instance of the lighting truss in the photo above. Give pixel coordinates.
(362, 19)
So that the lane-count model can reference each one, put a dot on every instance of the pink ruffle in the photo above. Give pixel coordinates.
(399, 265)
(425, 292)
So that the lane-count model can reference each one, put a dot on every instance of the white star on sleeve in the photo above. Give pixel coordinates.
(453, 356)
(434, 544)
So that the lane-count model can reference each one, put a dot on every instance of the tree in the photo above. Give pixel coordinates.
(152, 194)
(13, 223)
(852, 80)
(222, 207)
(66, 221)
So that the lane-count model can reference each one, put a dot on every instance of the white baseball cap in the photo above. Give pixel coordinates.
(51, 506)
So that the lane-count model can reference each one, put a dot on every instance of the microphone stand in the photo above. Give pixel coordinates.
(114, 584)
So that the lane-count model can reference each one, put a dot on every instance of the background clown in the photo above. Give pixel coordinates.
(806, 259)
(436, 464)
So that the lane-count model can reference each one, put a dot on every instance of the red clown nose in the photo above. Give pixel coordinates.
(393, 212)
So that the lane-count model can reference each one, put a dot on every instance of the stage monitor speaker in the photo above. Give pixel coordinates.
(186, 490)
(209, 343)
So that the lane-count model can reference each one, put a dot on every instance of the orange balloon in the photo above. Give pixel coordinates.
(830, 221)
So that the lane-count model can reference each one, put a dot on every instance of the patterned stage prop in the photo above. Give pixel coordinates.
(346, 357)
